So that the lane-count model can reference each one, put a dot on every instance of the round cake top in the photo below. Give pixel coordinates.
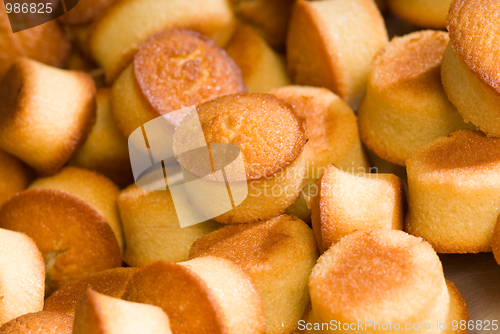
(411, 63)
(260, 246)
(269, 131)
(180, 68)
(474, 27)
(378, 274)
(462, 150)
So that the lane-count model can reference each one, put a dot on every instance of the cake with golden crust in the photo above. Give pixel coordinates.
(101, 314)
(15, 176)
(469, 70)
(152, 230)
(405, 104)
(278, 255)
(350, 201)
(195, 296)
(115, 36)
(270, 135)
(111, 282)
(332, 133)
(43, 322)
(332, 43)
(382, 276)
(73, 218)
(422, 13)
(105, 150)
(269, 17)
(173, 69)
(27, 43)
(262, 67)
(45, 113)
(452, 192)
(22, 276)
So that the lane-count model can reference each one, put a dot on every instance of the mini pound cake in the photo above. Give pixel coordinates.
(405, 104)
(27, 43)
(350, 201)
(262, 67)
(332, 43)
(278, 255)
(101, 314)
(332, 133)
(111, 282)
(453, 187)
(42, 322)
(205, 295)
(115, 36)
(383, 276)
(470, 64)
(22, 276)
(15, 176)
(173, 69)
(105, 150)
(269, 17)
(152, 230)
(45, 113)
(73, 218)
(270, 135)
(422, 13)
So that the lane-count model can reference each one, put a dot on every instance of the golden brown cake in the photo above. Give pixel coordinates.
(382, 276)
(73, 218)
(45, 113)
(469, 70)
(22, 276)
(42, 322)
(332, 43)
(111, 282)
(332, 133)
(453, 192)
(101, 314)
(496, 241)
(152, 230)
(405, 104)
(270, 135)
(422, 13)
(105, 150)
(49, 37)
(195, 296)
(269, 17)
(262, 67)
(115, 36)
(350, 201)
(278, 255)
(173, 69)
(14, 176)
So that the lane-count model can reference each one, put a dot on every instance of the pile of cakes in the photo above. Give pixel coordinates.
(329, 165)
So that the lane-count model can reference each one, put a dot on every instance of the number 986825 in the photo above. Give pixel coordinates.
(34, 8)
(479, 325)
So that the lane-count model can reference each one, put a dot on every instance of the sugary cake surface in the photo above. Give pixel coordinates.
(379, 274)
(180, 68)
(43, 322)
(411, 61)
(111, 282)
(464, 150)
(269, 131)
(474, 29)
